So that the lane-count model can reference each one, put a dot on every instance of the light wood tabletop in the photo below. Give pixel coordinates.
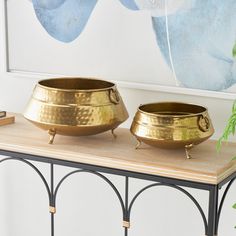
(206, 166)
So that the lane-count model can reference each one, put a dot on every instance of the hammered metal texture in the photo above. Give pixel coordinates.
(60, 104)
(172, 125)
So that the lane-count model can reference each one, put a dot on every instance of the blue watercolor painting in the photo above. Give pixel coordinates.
(195, 37)
(64, 20)
(201, 42)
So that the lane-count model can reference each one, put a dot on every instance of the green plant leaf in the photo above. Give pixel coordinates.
(234, 50)
(234, 206)
(219, 144)
(230, 128)
(234, 104)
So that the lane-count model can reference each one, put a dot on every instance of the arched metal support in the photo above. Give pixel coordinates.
(49, 191)
(175, 187)
(222, 202)
(97, 174)
(214, 212)
(35, 168)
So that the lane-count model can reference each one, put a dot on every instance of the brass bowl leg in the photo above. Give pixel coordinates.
(52, 133)
(187, 148)
(113, 133)
(138, 144)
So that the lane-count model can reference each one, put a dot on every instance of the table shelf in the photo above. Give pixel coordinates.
(206, 171)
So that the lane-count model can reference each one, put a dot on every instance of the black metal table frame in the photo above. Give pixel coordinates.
(214, 210)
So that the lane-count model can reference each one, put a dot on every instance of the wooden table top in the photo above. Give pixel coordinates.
(206, 166)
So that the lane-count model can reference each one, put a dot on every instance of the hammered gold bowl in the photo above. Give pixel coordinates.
(172, 125)
(75, 106)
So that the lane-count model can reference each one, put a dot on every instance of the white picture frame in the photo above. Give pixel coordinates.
(125, 84)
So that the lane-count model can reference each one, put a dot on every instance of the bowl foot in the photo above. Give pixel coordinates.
(52, 133)
(138, 144)
(113, 133)
(187, 148)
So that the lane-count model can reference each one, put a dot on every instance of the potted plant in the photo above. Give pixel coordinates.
(231, 125)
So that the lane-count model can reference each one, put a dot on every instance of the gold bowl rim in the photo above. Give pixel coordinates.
(177, 116)
(113, 85)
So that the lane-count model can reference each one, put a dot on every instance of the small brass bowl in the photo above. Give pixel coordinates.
(75, 106)
(172, 125)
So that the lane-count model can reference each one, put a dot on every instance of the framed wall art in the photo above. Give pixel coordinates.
(181, 46)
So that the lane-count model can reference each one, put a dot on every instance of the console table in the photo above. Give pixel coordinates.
(206, 171)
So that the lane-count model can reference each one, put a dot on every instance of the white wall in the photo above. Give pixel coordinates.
(86, 206)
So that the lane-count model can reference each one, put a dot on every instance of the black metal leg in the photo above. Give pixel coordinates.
(52, 224)
(222, 203)
(126, 205)
(52, 202)
(212, 212)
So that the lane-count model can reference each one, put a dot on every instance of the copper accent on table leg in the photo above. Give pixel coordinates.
(126, 224)
(52, 133)
(113, 133)
(187, 148)
(52, 209)
(138, 144)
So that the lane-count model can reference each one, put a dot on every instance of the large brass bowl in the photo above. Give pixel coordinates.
(172, 125)
(75, 106)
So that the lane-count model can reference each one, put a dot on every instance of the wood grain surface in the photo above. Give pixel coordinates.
(7, 120)
(206, 166)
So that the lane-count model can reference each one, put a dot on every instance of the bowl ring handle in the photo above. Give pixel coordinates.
(203, 123)
(114, 96)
